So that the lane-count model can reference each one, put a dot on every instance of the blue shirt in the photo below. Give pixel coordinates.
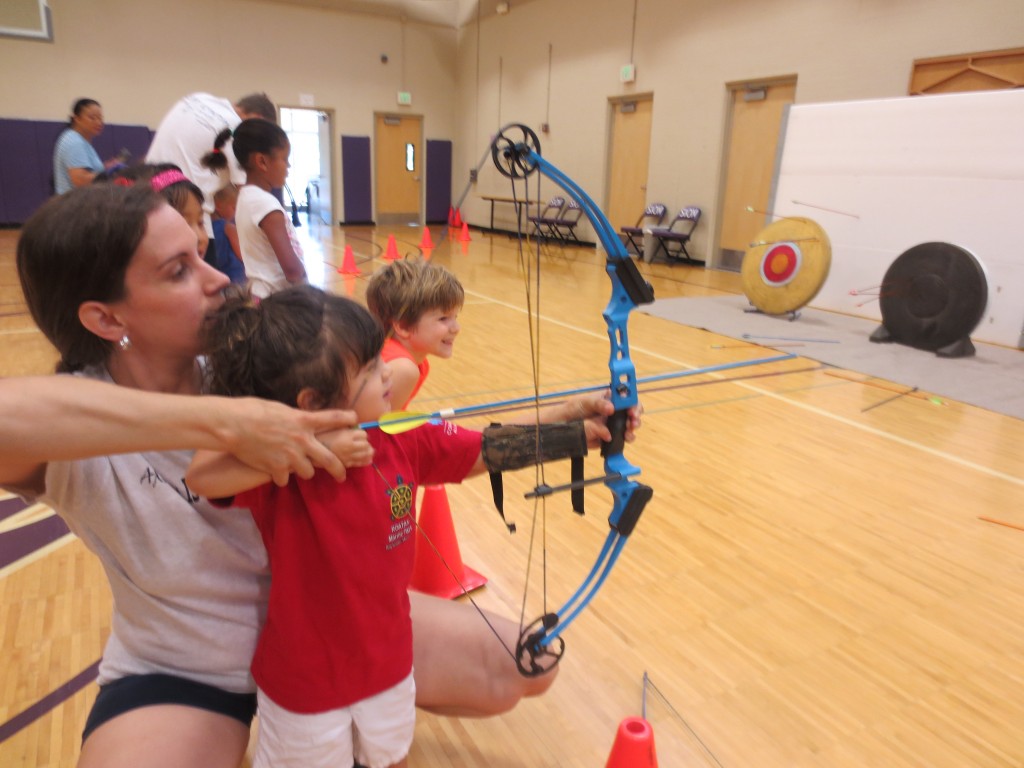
(225, 258)
(72, 151)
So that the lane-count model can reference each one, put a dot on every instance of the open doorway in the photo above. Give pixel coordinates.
(309, 178)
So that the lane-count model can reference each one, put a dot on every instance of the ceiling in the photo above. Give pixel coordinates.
(445, 13)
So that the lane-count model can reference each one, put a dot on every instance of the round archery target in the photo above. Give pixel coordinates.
(780, 263)
(786, 265)
(933, 295)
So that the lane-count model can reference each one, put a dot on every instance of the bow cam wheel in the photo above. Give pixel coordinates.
(511, 149)
(535, 652)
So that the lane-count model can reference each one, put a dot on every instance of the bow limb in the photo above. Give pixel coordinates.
(541, 644)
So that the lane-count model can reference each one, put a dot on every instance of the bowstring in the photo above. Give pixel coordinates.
(531, 273)
(529, 268)
(444, 561)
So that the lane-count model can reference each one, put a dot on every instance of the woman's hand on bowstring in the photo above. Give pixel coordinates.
(279, 440)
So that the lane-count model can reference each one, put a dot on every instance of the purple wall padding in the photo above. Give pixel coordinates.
(439, 180)
(24, 176)
(20, 542)
(26, 162)
(355, 179)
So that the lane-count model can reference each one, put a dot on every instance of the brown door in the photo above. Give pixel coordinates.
(399, 168)
(630, 152)
(754, 128)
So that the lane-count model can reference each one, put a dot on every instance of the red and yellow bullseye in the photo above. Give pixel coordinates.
(780, 263)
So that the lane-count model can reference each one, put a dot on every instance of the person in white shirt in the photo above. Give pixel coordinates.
(187, 132)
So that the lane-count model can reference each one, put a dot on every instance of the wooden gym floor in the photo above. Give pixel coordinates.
(812, 585)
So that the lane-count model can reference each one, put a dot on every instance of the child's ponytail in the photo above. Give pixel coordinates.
(228, 343)
(216, 159)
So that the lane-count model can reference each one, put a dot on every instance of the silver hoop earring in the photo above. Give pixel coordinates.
(124, 343)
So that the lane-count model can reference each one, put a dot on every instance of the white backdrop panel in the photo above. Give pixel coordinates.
(899, 172)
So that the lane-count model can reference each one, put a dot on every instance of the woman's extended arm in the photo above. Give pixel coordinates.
(218, 475)
(52, 418)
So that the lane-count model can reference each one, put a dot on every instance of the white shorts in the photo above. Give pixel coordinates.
(376, 732)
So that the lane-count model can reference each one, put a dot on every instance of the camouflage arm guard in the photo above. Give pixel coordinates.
(514, 446)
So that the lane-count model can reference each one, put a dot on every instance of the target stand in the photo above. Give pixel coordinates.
(932, 297)
(785, 267)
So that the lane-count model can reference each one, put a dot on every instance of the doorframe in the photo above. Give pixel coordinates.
(385, 113)
(331, 154)
(613, 103)
(715, 254)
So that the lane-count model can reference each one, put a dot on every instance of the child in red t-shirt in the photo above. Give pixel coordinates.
(333, 664)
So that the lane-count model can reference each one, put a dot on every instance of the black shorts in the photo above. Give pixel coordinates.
(139, 691)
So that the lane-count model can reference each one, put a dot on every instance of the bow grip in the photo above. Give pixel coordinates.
(617, 426)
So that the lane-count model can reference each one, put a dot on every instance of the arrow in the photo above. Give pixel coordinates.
(790, 338)
(401, 421)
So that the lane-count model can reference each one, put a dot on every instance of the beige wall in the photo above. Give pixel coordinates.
(138, 56)
(685, 53)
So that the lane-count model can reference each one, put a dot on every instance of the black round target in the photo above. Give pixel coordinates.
(933, 295)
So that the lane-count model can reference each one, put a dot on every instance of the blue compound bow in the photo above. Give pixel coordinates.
(516, 153)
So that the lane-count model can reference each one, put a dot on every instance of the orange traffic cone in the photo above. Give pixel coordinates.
(451, 216)
(464, 237)
(426, 242)
(440, 573)
(457, 221)
(634, 745)
(348, 265)
(392, 252)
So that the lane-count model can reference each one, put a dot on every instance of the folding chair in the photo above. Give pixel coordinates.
(652, 216)
(564, 225)
(543, 224)
(672, 240)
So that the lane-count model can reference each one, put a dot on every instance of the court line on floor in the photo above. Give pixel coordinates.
(766, 393)
(49, 701)
(33, 329)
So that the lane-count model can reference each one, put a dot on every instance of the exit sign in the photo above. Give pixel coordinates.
(404, 98)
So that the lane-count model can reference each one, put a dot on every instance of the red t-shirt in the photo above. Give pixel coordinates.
(393, 349)
(341, 554)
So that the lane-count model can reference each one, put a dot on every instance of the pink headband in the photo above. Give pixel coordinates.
(164, 179)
